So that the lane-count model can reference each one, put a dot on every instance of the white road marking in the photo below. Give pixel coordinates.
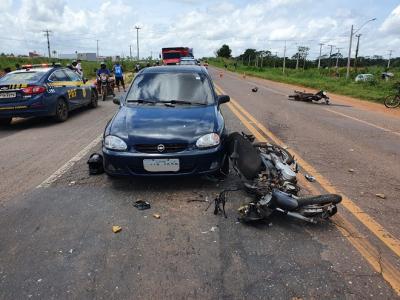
(362, 121)
(69, 164)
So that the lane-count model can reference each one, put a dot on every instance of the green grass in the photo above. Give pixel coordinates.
(375, 90)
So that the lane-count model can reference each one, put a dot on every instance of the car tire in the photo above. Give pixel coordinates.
(223, 171)
(61, 110)
(5, 121)
(94, 97)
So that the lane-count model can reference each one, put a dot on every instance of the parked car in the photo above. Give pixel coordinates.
(168, 123)
(42, 90)
(188, 61)
(364, 77)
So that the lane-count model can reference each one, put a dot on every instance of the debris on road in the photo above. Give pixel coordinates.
(95, 163)
(142, 205)
(254, 89)
(309, 178)
(351, 170)
(156, 216)
(116, 228)
(381, 196)
(72, 183)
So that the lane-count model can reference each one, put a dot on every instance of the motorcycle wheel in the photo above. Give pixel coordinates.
(104, 94)
(392, 101)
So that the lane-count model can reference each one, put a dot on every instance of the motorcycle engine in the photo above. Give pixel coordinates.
(286, 171)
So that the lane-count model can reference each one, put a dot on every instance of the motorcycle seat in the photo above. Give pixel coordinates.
(284, 201)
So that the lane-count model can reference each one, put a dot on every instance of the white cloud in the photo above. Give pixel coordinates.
(391, 25)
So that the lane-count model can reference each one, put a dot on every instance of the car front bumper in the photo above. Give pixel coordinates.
(191, 162)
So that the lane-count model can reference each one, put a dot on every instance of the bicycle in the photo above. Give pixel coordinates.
(393, 101)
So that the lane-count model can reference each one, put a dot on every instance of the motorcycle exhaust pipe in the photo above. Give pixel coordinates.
(297, 216)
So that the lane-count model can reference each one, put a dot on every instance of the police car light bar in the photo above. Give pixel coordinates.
(46, 65)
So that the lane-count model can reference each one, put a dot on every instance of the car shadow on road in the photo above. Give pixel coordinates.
(19, 124)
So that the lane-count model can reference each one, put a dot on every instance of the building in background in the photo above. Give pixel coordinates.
(81, 56)
(34, 54)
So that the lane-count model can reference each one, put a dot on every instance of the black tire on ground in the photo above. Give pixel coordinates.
(5, 121)
(61, 110)
(392, 101)
(93, 99)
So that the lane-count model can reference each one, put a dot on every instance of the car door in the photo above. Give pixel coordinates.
(63, 86)
(82, 92)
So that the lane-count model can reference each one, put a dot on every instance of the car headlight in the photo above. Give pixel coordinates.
(114, 143)
(208, 140)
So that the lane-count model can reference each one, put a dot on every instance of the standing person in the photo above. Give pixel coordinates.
(79, 67)
(119, 75)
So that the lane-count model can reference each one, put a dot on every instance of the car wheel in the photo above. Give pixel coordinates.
(223, 171)
(61, 110)
(5, 121)
(93, 99)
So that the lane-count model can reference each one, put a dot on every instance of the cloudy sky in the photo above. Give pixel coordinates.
(202, 24)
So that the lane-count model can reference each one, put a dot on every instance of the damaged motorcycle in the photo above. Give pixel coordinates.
(310, 97)
(268, 173)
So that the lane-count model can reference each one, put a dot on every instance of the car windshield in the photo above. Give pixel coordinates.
(170, 55)
(176, 87)
(21, 77)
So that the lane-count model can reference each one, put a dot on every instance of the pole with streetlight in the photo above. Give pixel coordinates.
(137, 40)
(352, 32)
(319, 57)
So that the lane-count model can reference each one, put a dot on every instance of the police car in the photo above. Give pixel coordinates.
(43, 90)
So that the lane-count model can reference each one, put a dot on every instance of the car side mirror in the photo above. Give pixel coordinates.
(117, 100)
(223, 99)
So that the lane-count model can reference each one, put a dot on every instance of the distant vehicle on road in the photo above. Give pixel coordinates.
(364, 77)
(188, 61)
(172, 55)
(43, 90)
(169, 123)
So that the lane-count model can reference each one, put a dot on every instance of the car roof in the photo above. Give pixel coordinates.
(43, 70)
(174, 69)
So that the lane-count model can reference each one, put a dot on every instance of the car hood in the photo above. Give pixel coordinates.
(144, 124)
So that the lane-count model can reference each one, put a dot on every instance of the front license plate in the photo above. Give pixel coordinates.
(161, 165)
(8, 95)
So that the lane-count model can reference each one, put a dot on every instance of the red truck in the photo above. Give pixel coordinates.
(172, 55)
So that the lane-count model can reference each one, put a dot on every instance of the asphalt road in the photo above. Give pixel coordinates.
(56, 242)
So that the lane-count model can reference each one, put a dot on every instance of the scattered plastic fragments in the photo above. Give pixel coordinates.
(142, 205)
(309, 177)
(254, 89)
(157, 216)
(351, 170)
(381, 196)
(116, 228)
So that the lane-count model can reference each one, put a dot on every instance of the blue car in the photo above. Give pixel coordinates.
(43, 90)
(168, 123)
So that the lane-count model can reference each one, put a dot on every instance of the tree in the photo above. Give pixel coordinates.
(224, 51)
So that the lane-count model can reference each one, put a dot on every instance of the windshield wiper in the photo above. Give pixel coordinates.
(182, 102)
(141, 101)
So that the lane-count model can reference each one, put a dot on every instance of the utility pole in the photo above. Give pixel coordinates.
(249, 60)
(97, 48)
(284, 59)
(130, 52)
(349, 56)
(337, 57)
(276, 57)
(319, 58)
(137, 41)
(47, 34)
(330, 56)
(390, 56)
(351, 40)
(297, 59)
(358, 45)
